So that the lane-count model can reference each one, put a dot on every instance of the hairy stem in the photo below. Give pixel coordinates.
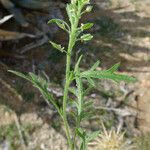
(72, 41)
(67, 84)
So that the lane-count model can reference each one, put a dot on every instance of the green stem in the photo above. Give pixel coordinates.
(75, 132)
(67, 84)
(72, 41)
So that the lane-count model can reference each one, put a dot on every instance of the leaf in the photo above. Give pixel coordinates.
(73, 90)
(92, 136)
(91, 82)
(41, 85)
(86, 37)
(71, 13)
(114, 68)
(87, 114)
(88, 104)
(79, 86)
(33, 76)
(95, 65)
(87, 91)
(88, 110)
(71, 76)
(20, 74)
(77, 65)
(62, 24)
(108, 74)
(57, 46)
(80, 133)
(86, 26)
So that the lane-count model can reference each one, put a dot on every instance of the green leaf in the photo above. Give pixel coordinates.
(71, 76)
(91, 82)
(33, 76)
(57, 46)
(62, 24)
(114, 68)
(41, 84)
(86, 37)
(79, 86)
(92, 136)
(88, 110)
(85, 115)
(86, 2)
(20, 74)
(87, 91)
(71, 13)
(108, 74)
(86, 26)
(80, 133)
(88, 104)
(73, 90)
(77, 65)
(95, 65)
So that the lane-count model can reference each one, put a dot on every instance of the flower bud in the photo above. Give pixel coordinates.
(89, 8)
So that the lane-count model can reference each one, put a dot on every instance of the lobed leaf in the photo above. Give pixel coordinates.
(108, 74)
(79, 86)
(41, 84)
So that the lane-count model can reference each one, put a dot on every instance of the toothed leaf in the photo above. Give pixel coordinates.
(108, 74)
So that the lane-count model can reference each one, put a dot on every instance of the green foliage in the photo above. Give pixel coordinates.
(84, 109)
(86, 138)
(41, 84)
(107, 74)
(60, 23)
(57, 46)
(86, 37)
(86, 26)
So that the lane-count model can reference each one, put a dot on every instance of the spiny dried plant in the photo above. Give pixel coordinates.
(111, 140)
